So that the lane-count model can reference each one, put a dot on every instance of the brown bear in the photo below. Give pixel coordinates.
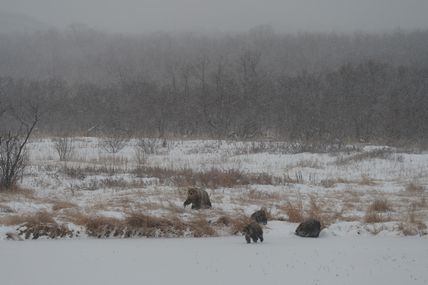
(198, 198)
(309, 228)
(260, 216)
(253, 231)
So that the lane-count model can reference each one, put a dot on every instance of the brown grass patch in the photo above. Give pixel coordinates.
(379, 205)
(237, 223)
(366, 181)
(120, 183)
(383, 153)
(373, 217)
(329, 183)
(6, 209)
(200, 227)
(141, 225)
(213, 178)
(15, 191)
(60, 205)
(50, 230)
(412, 224)
(295, 212)
(377, 212)
(254, 194)
(40, 224)
(414, 188)
(41, 217)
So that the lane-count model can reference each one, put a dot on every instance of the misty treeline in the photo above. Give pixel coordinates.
(304, 87)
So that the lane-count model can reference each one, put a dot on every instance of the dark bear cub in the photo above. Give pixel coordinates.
(253, 231)
(260, 216)
(309, 228)
(198, 198)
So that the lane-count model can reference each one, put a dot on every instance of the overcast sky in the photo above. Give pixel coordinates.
(226, 15)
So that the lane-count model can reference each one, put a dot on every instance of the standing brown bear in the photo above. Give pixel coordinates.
(253, 231)
(309, 228)
(198, 198)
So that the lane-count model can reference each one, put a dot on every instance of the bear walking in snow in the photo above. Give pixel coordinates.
(253, 231)
(198, 198)
(309, 228)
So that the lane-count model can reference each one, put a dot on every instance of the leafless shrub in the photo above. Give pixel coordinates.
(74, 172)
(13, 158)
(140, 157)
(64, 147)
(298, 177)
(115, 142)
(149, 145)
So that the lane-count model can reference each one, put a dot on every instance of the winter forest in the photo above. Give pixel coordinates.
(259, 84)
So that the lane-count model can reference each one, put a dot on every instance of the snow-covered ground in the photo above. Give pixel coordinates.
(372, 201)
(340, 186)
(281, 259)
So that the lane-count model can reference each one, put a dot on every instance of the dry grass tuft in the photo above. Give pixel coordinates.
(60, 205)
(331, 182)
(377, 212)
(414, 188)
(412, 223)
(383, 153)
(41, 217)
(379, 205)
(294, 212)
(213, 178)
(201, 227)
(140, 225)
(40, 224)
(223, 221)
(50, 230)
(6, 209)
(366, 181)
(17, 190)
(238, 223)
(373, 217)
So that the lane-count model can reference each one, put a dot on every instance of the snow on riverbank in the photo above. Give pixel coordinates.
(282, 259)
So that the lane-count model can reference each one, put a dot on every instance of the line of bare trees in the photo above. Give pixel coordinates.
(371, 101)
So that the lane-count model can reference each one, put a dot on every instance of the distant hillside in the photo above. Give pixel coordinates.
(18, 23)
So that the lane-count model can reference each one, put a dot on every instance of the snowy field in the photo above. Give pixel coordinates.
(371, 200)
(282, 259)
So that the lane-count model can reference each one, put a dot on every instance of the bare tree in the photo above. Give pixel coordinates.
(64, 147)
(13, 153)
(114, 142)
